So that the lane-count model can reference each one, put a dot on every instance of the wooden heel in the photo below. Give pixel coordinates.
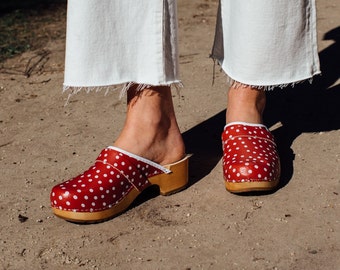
(174, 181)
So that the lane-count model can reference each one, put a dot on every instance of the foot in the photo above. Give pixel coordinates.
(245, 104)
(151, 129)
(121, 173)
(250, 158)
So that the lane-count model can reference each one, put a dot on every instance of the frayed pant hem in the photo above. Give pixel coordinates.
(124, 87)
(141, 86)
(231, 82)
(237, 84)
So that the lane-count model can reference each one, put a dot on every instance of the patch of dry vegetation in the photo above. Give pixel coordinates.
(30, 28)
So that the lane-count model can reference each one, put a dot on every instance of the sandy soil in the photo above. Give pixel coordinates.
(203, 227)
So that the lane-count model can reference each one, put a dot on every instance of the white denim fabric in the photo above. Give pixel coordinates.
(267, 43)
(262, 43)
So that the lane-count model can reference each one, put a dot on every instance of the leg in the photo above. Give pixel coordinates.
(245, 104)
(149, 151)
(151, 129)
(260, 55)
(104, 48)
(250, 161)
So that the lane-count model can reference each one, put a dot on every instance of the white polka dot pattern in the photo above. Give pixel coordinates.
(104, 184)
(249, 154)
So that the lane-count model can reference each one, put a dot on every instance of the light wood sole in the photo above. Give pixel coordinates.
(99, 216)
(251, 186)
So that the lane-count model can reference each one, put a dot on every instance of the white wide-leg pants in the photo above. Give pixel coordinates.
(263, 43)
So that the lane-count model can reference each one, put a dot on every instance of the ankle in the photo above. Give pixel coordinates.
(151, 129)
(245, 104)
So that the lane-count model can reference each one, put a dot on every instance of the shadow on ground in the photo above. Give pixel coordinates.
(8, 6)
(307, 107)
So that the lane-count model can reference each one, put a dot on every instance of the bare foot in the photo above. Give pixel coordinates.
(245, 104)
(151, 129)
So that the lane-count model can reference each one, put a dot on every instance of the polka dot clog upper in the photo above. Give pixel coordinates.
(114, 174)
(249, 154)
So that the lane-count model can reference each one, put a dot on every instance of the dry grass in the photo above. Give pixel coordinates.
(31, 28)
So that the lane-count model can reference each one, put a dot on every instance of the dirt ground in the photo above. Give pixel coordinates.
(44, 142)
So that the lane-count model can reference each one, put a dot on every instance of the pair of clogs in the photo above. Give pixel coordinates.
(250, 163)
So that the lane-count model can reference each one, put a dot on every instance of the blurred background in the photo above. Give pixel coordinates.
(28, 24)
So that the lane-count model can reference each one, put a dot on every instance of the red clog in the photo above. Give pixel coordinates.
(112, 184)
(250, 158)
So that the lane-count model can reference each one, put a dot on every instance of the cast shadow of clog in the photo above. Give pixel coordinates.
(204, 142)
(306, 107)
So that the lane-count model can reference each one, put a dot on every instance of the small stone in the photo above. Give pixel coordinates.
(22, 218)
